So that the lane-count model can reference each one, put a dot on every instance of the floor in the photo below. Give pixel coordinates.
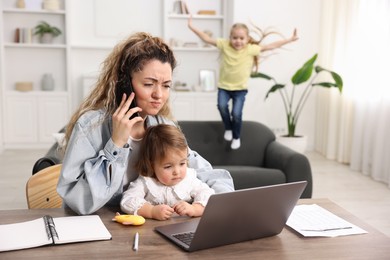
(367, 199)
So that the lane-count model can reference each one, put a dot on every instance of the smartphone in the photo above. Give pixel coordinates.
(124, 86)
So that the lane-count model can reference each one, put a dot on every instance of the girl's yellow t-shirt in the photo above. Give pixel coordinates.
(236, 66)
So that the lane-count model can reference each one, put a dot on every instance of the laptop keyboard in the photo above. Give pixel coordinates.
(186, 237)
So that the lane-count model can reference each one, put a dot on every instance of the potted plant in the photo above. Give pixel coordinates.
(293, 105)
(46, 32)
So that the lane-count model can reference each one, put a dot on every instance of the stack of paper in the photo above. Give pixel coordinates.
(315, 221)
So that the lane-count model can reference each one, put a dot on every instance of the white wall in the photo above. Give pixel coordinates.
(104, 22)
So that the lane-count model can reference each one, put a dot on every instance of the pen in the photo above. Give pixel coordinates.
(326, 229)
(136, 238)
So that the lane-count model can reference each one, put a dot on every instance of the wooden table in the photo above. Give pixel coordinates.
(287, 245)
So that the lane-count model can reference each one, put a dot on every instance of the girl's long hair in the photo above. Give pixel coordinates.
(260, 34)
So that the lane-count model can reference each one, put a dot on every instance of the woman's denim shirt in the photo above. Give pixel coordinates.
(93, 167)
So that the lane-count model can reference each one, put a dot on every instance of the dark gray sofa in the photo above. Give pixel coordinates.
(260, 160)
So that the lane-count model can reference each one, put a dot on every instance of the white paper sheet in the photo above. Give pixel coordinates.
(315, 221)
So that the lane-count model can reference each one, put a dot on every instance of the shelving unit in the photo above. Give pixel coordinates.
(193, 55)
(194, 105)
(190, 50)
(30, 117)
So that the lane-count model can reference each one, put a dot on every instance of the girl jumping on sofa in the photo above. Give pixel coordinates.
(239, 54)
(165, 185)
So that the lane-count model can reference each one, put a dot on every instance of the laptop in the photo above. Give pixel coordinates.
(237, 216)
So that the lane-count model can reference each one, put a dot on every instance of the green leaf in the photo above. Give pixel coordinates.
(260, 75)
(304, 73)
(338, 80)
(325, 84)
(318, 69)
(336, 77)
(43, 27)
(273, 89)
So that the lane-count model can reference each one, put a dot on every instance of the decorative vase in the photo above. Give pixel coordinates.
(20, 4)
(298, 143)
(46, 38)
(52, 5)
(47, 82)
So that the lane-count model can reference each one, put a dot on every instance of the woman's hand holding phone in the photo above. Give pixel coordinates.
(123, 120)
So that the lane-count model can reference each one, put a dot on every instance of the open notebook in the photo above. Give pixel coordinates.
(48, 230)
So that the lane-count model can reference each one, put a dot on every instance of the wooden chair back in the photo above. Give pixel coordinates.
(41, 188)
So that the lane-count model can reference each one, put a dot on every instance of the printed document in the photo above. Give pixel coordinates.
(315, 221)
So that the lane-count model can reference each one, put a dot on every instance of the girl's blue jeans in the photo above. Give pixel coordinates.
(232, 121)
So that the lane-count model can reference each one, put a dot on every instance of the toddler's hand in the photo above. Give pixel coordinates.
(162, 212)
(184, 209)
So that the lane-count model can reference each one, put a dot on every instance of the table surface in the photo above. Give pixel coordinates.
(287, 245)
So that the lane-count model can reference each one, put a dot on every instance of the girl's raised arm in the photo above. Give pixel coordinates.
(278, 44)
(202, 35)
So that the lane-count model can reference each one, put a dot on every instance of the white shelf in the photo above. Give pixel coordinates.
(36, 93)
(195, 49)
(92, 46)
(32, 11)
(194, 93)
(34, 45)
(195, 17)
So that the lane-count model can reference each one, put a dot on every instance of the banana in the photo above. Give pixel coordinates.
(129, 219)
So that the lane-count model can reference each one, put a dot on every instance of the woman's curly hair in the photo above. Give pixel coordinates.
(128, 56)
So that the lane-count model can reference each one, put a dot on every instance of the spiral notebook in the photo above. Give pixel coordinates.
(49, 231)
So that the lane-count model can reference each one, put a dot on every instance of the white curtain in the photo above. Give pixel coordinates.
(353, 127)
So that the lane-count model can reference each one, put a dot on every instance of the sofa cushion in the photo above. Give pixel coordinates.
(206, 138)
(249, 177)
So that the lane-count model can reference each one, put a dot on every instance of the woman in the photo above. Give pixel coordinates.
(103, 136)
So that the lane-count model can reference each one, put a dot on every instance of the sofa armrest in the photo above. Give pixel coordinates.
(294, 165)
(43, 163)
(56, 151)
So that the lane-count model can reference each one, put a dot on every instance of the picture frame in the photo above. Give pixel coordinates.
(207, 80)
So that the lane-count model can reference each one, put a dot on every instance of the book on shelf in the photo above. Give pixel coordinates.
(23, 35)
(191, 45)
(207, 12)
(52, 231)
(180, 7)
